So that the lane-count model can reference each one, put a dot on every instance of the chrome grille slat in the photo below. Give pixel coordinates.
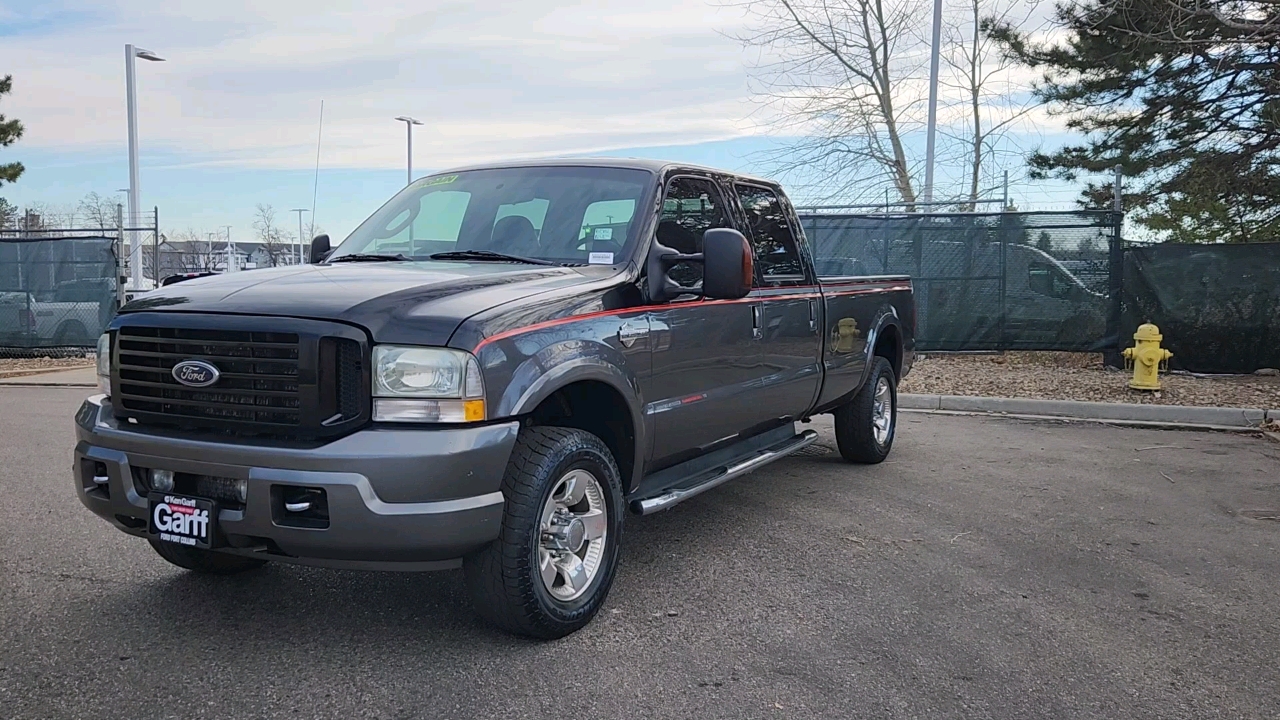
(258, 385)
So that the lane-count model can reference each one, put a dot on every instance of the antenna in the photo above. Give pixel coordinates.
(315, 190)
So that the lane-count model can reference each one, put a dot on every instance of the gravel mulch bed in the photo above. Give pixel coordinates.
(14, 365)
(1079, 376)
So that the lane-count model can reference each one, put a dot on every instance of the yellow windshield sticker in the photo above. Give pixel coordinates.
(439, 180)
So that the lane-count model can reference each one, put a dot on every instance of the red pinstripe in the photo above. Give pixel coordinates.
(867, 288)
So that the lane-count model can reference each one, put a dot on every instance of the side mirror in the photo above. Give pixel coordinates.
(319, 248)
(728, 270)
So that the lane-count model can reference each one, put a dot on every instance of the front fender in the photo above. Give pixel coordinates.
(569, 361)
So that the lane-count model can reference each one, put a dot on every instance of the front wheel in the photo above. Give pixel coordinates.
(866, 424)
(551, 567)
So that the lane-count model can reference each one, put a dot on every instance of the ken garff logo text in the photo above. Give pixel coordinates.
(196, 373)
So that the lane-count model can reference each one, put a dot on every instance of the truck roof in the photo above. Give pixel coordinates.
(628, 163)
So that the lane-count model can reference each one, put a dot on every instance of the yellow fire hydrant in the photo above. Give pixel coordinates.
(1147, 358)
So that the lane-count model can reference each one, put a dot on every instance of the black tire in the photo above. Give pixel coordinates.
(205, 562)
(855, 432)
(71, 333)
(503, 578)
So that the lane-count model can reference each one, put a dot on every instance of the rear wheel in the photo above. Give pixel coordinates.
(551, 567)
(865, 425)
(71, 333)
(204, 561)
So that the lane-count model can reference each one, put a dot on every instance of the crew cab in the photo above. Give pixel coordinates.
(492, 371)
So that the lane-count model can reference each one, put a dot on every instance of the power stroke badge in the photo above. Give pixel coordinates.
(182, 520)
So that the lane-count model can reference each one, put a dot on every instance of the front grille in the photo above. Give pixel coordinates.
(258, 383)
(272, 381)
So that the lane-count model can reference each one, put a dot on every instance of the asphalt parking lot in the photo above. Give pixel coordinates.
(991, 569)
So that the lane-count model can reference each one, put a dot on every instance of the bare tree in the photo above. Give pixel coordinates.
(45, 216)
(980, 78)
(839, 74)
(849, 78)
(98, 212)
(274, 239)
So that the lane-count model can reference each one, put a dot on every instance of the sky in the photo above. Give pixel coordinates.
(231, 118)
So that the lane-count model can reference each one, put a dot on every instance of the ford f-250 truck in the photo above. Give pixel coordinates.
(489, 372)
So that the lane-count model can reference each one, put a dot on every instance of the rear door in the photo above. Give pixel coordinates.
(787, 320)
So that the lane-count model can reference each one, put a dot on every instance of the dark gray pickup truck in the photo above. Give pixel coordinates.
(489, 372)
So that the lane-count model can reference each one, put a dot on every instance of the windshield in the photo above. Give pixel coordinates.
(571, 215)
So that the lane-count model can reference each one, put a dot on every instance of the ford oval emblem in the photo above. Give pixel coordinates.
(196, 373)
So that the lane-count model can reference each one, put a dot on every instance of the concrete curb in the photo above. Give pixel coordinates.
(1172, 415)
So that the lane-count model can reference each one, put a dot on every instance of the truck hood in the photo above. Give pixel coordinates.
(418, 302)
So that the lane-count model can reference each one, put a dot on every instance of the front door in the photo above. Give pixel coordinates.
(699, 393)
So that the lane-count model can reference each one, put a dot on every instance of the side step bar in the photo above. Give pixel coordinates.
(648, 506)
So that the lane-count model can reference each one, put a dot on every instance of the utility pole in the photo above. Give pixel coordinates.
(935, 53)
(231, 251)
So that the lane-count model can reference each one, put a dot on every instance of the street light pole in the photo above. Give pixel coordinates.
(231, 251)
(300, 211)
(408, 124)
(131, 53)
(931, 144)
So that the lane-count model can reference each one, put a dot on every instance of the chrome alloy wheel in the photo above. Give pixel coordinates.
(573, 532)
(882, 412)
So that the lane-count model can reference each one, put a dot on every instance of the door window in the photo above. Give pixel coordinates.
(1046, 280)
(691, 207)
(772, 240)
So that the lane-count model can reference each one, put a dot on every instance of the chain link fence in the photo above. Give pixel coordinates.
(55, 292)
(987, 281)
(1218, 306)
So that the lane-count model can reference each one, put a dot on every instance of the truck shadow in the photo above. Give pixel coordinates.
(339, 610)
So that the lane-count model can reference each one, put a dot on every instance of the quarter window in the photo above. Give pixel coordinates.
(772, 240)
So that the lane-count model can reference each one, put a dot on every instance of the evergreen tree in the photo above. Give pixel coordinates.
(1184, 95)
(10, 131)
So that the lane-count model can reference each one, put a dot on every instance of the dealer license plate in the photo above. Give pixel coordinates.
(181, 519)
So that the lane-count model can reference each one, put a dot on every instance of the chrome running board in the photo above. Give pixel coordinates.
(724, 474)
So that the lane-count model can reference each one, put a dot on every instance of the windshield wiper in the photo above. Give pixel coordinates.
(486, 255)
(369, 257)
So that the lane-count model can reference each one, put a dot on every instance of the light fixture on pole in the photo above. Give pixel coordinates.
(930, 155)
(131, 100)
(408, 124)
(300, 243)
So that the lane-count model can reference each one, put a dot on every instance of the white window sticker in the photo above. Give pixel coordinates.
(603, 234)
(600, 258)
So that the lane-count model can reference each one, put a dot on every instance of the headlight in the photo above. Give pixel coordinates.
(418, 384)
(104, 364)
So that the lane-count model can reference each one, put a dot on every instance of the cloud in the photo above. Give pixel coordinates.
(243, 81)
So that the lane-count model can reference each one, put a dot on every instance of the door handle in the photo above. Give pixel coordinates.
(813, 315)
(757, 321)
